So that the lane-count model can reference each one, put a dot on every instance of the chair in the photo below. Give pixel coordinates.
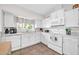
(5, 48)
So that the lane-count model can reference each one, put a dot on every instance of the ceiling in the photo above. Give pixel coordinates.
(41, 9)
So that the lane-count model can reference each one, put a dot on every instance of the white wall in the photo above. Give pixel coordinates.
(19, 11)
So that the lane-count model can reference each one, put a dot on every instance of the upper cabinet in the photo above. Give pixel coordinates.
(57, 18)
(46, 22)
(58, 14)
(1, 18)
(72, 18)
(9, 20)
(38, 23)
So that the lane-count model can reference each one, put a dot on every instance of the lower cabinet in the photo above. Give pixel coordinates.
(15, 41)
(22, 41)
(25, 40)
(29, 39)
(52, 43)
(71, 45)
(45, 37)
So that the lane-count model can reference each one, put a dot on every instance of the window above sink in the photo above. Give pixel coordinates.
(24, 25)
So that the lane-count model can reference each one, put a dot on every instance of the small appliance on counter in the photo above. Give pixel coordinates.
(10, 30)
(47, 31)
(13, 30)
(41, 29)
(7, 30)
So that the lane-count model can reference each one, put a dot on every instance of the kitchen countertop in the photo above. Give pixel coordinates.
(64, 35)
(19, 33)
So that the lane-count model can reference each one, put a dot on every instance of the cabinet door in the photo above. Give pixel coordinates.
(36, 37)
(25, 40)
(57, 21)
(54, 15)
(15, 41)
(71, 18)
(29, 39)
(46, 23)
(45, 38)
(60, 13)
(70, 46)
(9, 20)
(37, 23)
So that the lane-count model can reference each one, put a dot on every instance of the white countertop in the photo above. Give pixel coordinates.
(19, 33)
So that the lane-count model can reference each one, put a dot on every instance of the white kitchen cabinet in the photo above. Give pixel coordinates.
(38, 23)
(54, 15)
(46, 23)
(49, 40)
(15, 41)
(29, 39)
(71, 45)
(45, 37)
(9, 20)
(25, 40)
(72, 18)
(34, 38)
(37, 37)
(58, 14)
(1, 18)
(57, 18)
(57, 21)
